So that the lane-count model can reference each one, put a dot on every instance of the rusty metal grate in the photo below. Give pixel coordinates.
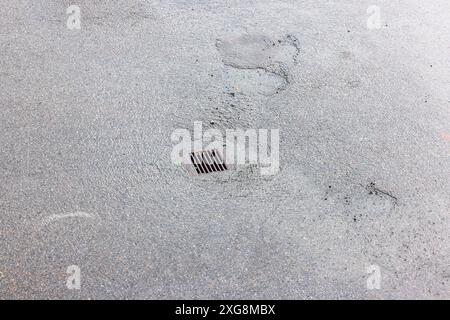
(207, 162)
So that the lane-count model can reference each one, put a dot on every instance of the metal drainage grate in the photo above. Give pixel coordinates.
(207, 161)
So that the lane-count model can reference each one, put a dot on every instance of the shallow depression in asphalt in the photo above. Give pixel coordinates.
(262, 65)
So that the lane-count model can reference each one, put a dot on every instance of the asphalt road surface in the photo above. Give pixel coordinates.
(360, 207)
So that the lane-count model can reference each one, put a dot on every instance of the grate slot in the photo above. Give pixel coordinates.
(199, 162)
(214, 165)
(220, 162)
(194, 162)
(202, 163)
(207, 163)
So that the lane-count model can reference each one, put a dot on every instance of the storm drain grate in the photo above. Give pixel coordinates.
(207, 161)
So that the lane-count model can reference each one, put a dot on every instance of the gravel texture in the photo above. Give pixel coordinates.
(86, 177)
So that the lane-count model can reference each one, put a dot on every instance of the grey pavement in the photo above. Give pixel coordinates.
(86, 177)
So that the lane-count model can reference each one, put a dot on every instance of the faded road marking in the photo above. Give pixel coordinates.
(57, 217)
